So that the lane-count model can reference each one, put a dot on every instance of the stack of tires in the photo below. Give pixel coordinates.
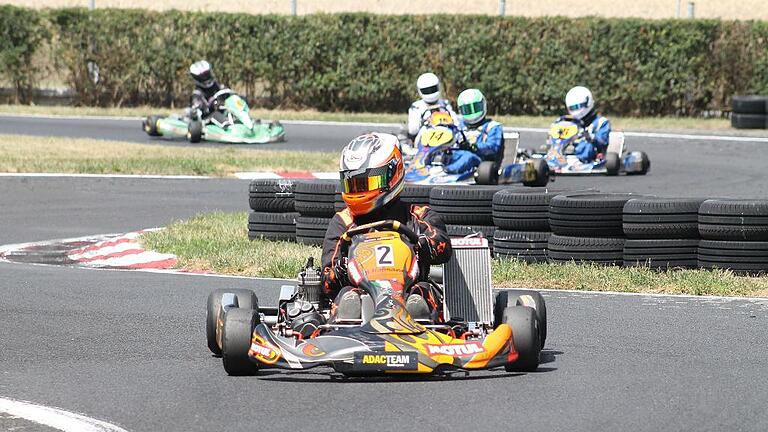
(749, 112)
(273, 216)
(314, 202)
(466, 210)
(521, 217)
(587, 227)
(661, 233)
(734, 235)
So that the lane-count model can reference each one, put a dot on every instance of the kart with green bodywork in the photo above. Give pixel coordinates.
(230, 122)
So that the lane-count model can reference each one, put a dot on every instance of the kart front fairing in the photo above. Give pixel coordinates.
(433, 150)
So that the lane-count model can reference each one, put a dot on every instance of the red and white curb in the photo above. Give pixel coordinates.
(123, 251)
(299, 175)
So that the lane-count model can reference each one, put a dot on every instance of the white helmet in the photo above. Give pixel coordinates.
(579, 102)
(429, 87)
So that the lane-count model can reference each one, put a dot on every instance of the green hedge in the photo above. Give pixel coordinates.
(361, 62)
(22, 32)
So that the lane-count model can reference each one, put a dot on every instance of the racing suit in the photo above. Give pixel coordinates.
(434, 247)
(483, 142)
(420, 111)
(203, 104)
(598, 130)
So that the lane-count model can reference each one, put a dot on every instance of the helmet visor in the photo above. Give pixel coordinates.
(371, 180)
(429, 90)
(471, 109)
(578, 106)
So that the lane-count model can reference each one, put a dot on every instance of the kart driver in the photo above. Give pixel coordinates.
(581, 106)
(372, 178)
(202, 102)
(420, 111)
(483, 137)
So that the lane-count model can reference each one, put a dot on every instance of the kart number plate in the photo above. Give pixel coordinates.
(386, 361)
(437, 137)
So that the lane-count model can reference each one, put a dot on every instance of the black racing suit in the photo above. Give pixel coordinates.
(202, 101)
(434, 244)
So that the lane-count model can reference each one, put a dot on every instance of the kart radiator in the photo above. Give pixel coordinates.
(467, 278)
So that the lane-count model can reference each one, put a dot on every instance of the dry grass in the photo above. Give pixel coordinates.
(726, 9)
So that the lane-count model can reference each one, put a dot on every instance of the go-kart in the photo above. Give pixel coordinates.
(230, 123)
(473, 332)
(566, 133)
(425, 163)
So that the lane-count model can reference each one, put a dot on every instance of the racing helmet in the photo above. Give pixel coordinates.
(202, 73)
(472, 106)
(372, 172)
(580, 102)
(429, 87)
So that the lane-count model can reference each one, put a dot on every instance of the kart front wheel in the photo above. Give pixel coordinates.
(487, 173)
(525, 335)
(236, 341)
(150, 125)
(246, 299)
(612, 164)
(541, 169)
(532, 299)
(195, 131)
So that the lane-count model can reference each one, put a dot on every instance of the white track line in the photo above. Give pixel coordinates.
(55, 418)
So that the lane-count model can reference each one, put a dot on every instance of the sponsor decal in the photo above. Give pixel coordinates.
(467, 349)
(312, 350)
(384, 361)
(263, 351)
(469, 242)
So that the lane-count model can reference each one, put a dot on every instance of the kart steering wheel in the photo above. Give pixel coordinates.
(385, 224)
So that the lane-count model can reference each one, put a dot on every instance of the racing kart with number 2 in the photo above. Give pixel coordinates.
(473, 332)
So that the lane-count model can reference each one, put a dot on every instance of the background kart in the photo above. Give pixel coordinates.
(475, 332)
(565, 134)
(231, 123)
(425, 160)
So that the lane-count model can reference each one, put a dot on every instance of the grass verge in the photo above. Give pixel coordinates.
(19, 153)
(620, 123)
(218, 242)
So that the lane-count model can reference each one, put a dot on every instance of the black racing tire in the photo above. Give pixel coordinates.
(464, 205)
(606, 250)
(646, 164)
(246, 299)
(487, 173)
(272, 195)
(195, 131)
(315, 198)
(749, 121)
(748, 257)
(311, 230)
(541, 169)
(236, 341)
(272, 226)
(525, 335)
(732, 219)
(661, 253)
(588, 214)
(662, 218)
(751, 104)
(528, 246)
(529, 298)
(525, 209)
(612, 164)
(150, 125)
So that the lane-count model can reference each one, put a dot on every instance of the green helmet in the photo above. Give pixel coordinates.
(472, 106)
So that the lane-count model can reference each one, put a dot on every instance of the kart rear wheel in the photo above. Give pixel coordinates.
(246, 299)
(195, 131)
(525, 334)
(487, 173)
(236, 341)
(541, 169)
(645, 163)
(150, 125)
(532, 299)
(612, 164)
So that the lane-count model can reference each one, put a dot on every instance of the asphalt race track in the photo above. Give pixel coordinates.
(129, 347)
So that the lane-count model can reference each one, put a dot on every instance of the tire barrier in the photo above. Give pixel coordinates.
(586, 226)
(749, 112)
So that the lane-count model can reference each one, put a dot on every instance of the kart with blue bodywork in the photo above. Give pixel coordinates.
(566, 133)
(230, 122)
(374, 334)
(425, 162)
